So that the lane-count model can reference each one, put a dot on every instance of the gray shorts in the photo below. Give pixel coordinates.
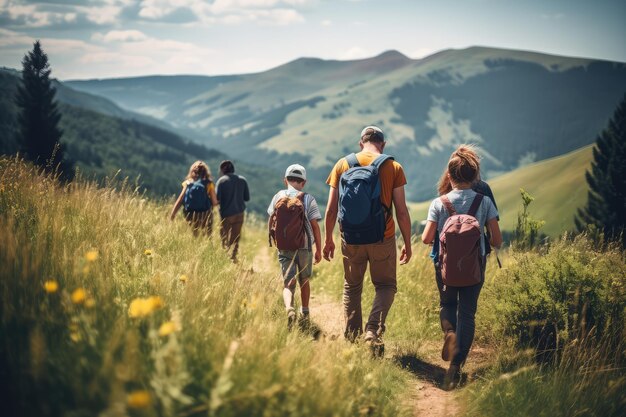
(296, 264)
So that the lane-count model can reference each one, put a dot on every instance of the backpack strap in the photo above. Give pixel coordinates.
(352, 161)
(380, 160)
(448, 205)
(475, 204)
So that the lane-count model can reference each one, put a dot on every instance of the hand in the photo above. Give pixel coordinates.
(329, 250)
(405, 254)
(318, 256)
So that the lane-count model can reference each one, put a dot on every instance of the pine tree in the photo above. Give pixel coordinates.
(606, 201)
(39, 133)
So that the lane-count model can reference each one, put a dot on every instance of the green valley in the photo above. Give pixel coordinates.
(518, 106)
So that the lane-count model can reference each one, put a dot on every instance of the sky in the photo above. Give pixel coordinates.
(119, 38)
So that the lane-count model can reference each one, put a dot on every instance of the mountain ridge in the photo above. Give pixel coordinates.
(516, 105)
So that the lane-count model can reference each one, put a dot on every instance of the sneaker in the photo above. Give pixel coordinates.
(291, 318)
(375, 343)
(452, 378)
(449, 344)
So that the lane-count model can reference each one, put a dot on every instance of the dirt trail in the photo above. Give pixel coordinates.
(427, 398)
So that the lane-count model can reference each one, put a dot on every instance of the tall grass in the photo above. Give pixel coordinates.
(108, 308)
(559, 315)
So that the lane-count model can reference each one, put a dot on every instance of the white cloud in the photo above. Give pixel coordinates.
(326, 22)
(120, 36)
(229, 12)
(102, 15)
(134, 52)
(9, 38)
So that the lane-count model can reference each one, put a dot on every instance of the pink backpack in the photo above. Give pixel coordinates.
(460, 259)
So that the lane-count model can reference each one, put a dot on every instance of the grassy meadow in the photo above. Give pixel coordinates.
(110, 309)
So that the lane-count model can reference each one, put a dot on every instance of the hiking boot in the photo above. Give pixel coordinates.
(291, 318)
(449, 344)
(304, 322)
(452, 378)
(375, 343)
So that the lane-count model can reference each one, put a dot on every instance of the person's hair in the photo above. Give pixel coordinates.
(372, 135)
(200, 169)
(297, 180)
(227, 167)
(463, 167)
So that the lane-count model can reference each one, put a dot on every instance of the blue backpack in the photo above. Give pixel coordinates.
(196, 196)
(362, 216)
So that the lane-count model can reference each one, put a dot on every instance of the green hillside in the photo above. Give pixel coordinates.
(102, 145)
(558, 185)
(518, 106)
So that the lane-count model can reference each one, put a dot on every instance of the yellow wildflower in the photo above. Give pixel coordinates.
(183, 278)
(91, 256)
(78, 296)
(75, 336)
(138, 399)
(148, 252)
(90, 302)
(155, 302)
(51, 286)
(167, 328)
(142, 307)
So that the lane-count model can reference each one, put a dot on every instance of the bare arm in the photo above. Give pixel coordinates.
(496, 235)
(213, 197)
(177, 204)
(330, 219)
(404, 223)
(428, 236)
(317, 237)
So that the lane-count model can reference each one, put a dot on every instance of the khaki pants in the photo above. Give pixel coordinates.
(382, 261)
(230, 231)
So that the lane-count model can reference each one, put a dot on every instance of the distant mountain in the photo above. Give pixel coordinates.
(110, 139)
(558, 185)
(518, 106)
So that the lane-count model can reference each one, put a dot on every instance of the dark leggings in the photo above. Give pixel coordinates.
(457, 313)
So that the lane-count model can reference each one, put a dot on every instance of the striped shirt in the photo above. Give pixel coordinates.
(311, 210)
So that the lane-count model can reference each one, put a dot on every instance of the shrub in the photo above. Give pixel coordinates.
(547, 300)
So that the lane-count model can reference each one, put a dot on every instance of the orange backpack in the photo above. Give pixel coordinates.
(286, 224)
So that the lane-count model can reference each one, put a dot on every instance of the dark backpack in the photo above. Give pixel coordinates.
(362, 216)
(197, 197)
(287, 223)
(460, 259)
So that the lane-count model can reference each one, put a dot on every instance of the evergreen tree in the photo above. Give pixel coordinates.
(39, 133)
(606, 201)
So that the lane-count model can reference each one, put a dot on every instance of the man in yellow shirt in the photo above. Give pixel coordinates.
(381, 256)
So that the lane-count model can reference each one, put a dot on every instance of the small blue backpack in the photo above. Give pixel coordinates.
(362, 216)
(196, 196)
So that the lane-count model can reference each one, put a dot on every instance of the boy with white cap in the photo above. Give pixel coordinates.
(294, 228)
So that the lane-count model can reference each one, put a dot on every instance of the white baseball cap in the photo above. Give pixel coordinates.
(296, 170)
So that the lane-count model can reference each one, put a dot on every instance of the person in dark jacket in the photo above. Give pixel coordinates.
(232, 193)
